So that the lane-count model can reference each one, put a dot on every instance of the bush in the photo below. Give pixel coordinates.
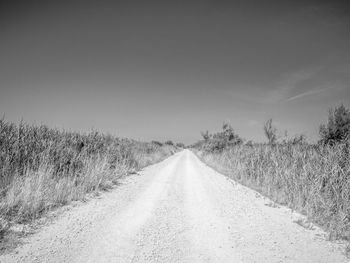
(169, 142)
(157, 143)
(180, 145)
(337, 128)
(249, 143)
(270, 132)
(298, 139)
(219, 141)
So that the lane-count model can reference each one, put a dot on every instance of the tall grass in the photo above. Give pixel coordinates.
(41, 168)
(314, 180)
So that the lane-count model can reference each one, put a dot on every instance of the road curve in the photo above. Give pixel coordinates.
(179, 210)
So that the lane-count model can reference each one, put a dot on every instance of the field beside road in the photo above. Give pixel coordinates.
(179, 210)
(311, 179)
(43, 168)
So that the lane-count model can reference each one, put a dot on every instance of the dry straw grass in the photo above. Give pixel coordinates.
(314, 180)
(41, 168)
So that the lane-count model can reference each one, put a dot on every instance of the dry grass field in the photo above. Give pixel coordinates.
(313, 180)
(42, 168)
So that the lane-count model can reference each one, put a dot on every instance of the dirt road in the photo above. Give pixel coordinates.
(178, 211)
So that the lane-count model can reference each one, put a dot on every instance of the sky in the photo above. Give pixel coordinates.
(159, 70)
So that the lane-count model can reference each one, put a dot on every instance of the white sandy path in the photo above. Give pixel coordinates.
(179, 210)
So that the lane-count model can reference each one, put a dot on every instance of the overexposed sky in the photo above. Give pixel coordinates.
(157, 70)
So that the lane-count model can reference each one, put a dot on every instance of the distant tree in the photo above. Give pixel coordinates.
(217, 142)
(270, 132)
(337, 128)
(205, 135)
(249, 143)
(298, 139)
(157, 143)
(180, 145)
(169, 142)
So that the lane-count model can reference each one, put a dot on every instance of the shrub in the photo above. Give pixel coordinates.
(337, 128)
(180, 145)
(249, 143)
(157, 143)
(298, 139)
(169, 142)
(219, 141)
(270, 132)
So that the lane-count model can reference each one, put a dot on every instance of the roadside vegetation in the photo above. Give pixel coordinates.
(42, 168)
(313, 179)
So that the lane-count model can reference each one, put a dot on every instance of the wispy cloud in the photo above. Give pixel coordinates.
(288, 83)
(307, 93)
(292, 86)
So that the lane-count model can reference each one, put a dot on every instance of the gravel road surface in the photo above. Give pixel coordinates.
(179, 210)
